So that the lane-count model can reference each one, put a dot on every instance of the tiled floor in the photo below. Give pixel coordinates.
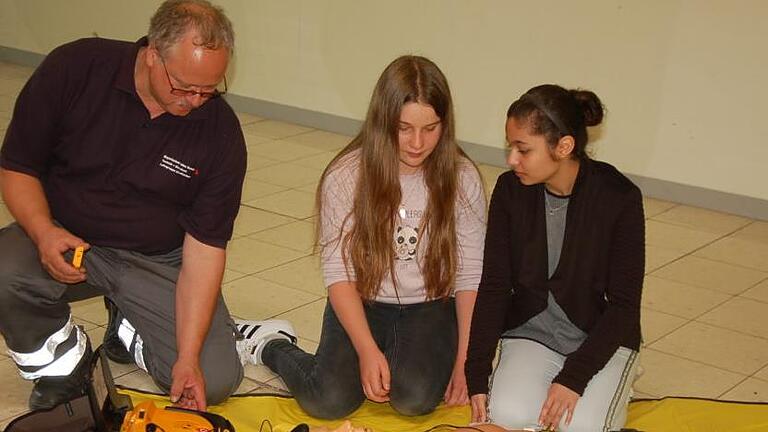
(705, 304)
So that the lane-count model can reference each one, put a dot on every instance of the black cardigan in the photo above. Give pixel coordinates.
(598, 281)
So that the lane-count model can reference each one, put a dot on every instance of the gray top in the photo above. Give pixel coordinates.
(552, 327)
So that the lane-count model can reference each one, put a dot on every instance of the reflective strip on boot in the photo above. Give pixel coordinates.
(138, 353)
(45, 355)
(128, 336)
(126, 332)
(63, 365)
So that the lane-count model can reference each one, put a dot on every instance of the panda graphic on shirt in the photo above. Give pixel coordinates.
(406, 241)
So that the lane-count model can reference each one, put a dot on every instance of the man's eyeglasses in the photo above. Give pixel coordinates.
(203, 94)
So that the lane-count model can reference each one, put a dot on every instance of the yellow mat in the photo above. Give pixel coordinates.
(247, 413)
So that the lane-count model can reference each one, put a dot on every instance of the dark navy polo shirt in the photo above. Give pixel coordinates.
(112, 175)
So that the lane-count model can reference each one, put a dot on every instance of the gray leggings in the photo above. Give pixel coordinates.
(525, 372)
(33, 306)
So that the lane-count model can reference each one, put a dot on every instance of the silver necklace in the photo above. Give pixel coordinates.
(550, 209)
(404, 196)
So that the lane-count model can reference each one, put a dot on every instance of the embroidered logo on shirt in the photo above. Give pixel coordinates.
(177, 167)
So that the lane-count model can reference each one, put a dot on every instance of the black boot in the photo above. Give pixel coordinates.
(51, 391)
(112, 345)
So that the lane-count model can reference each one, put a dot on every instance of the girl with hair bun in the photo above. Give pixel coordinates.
(562, 277)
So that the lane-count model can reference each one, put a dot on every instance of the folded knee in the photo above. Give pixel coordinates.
(331, 403)
(223, 384)
(414, 401)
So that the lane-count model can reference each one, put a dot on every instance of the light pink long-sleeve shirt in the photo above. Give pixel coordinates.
(338, 197)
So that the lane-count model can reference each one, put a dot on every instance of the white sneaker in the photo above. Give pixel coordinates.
(256, 334)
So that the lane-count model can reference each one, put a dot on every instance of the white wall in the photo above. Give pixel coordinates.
(683, 79)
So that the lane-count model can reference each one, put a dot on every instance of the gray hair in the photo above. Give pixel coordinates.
(174, 18)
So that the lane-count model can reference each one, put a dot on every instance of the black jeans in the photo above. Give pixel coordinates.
(419, 342)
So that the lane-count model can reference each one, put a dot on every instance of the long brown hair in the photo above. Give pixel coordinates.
(368, 243)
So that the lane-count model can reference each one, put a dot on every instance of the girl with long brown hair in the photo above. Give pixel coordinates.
(401, 229)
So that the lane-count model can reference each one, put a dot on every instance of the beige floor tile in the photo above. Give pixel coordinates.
(5, 216)
(715, 275)
(247, 386)
(4, 422)
(256, 161)
(253, 298)
(751, 390)
(253, 140)
(740, 314)
(276, 385)
(231, 275)
(725, 349)
(756, 231)
(246, 255)
(10, 87)
(259, 374)
(251, 220)
(91, 310)
(253, 189)
(318, 161)
(283, 151)
(15, 394)
(303, 274)
(675, 237)
(702, 219)
(14, 71)
(656, 257)
(653, 206)
(299, 236)
(307, 320)
(667, 375)
(657, 324)
(758, 292)
(274, 129)
(266, 389)
(762, 374)
(246, 118)
(6, 103)
(3, 349)
(138, 380)
(308, 345)
(294, 203)
(322, 140)
(86, 325)
(738, 251)
(119, 370)
(637, 395)
(286, 174)
(309, 188)
(679, 299)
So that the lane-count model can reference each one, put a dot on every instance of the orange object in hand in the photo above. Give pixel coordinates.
(77, 258)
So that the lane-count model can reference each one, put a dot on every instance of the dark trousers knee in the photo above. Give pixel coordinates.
(331, 403)
(414, 403)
